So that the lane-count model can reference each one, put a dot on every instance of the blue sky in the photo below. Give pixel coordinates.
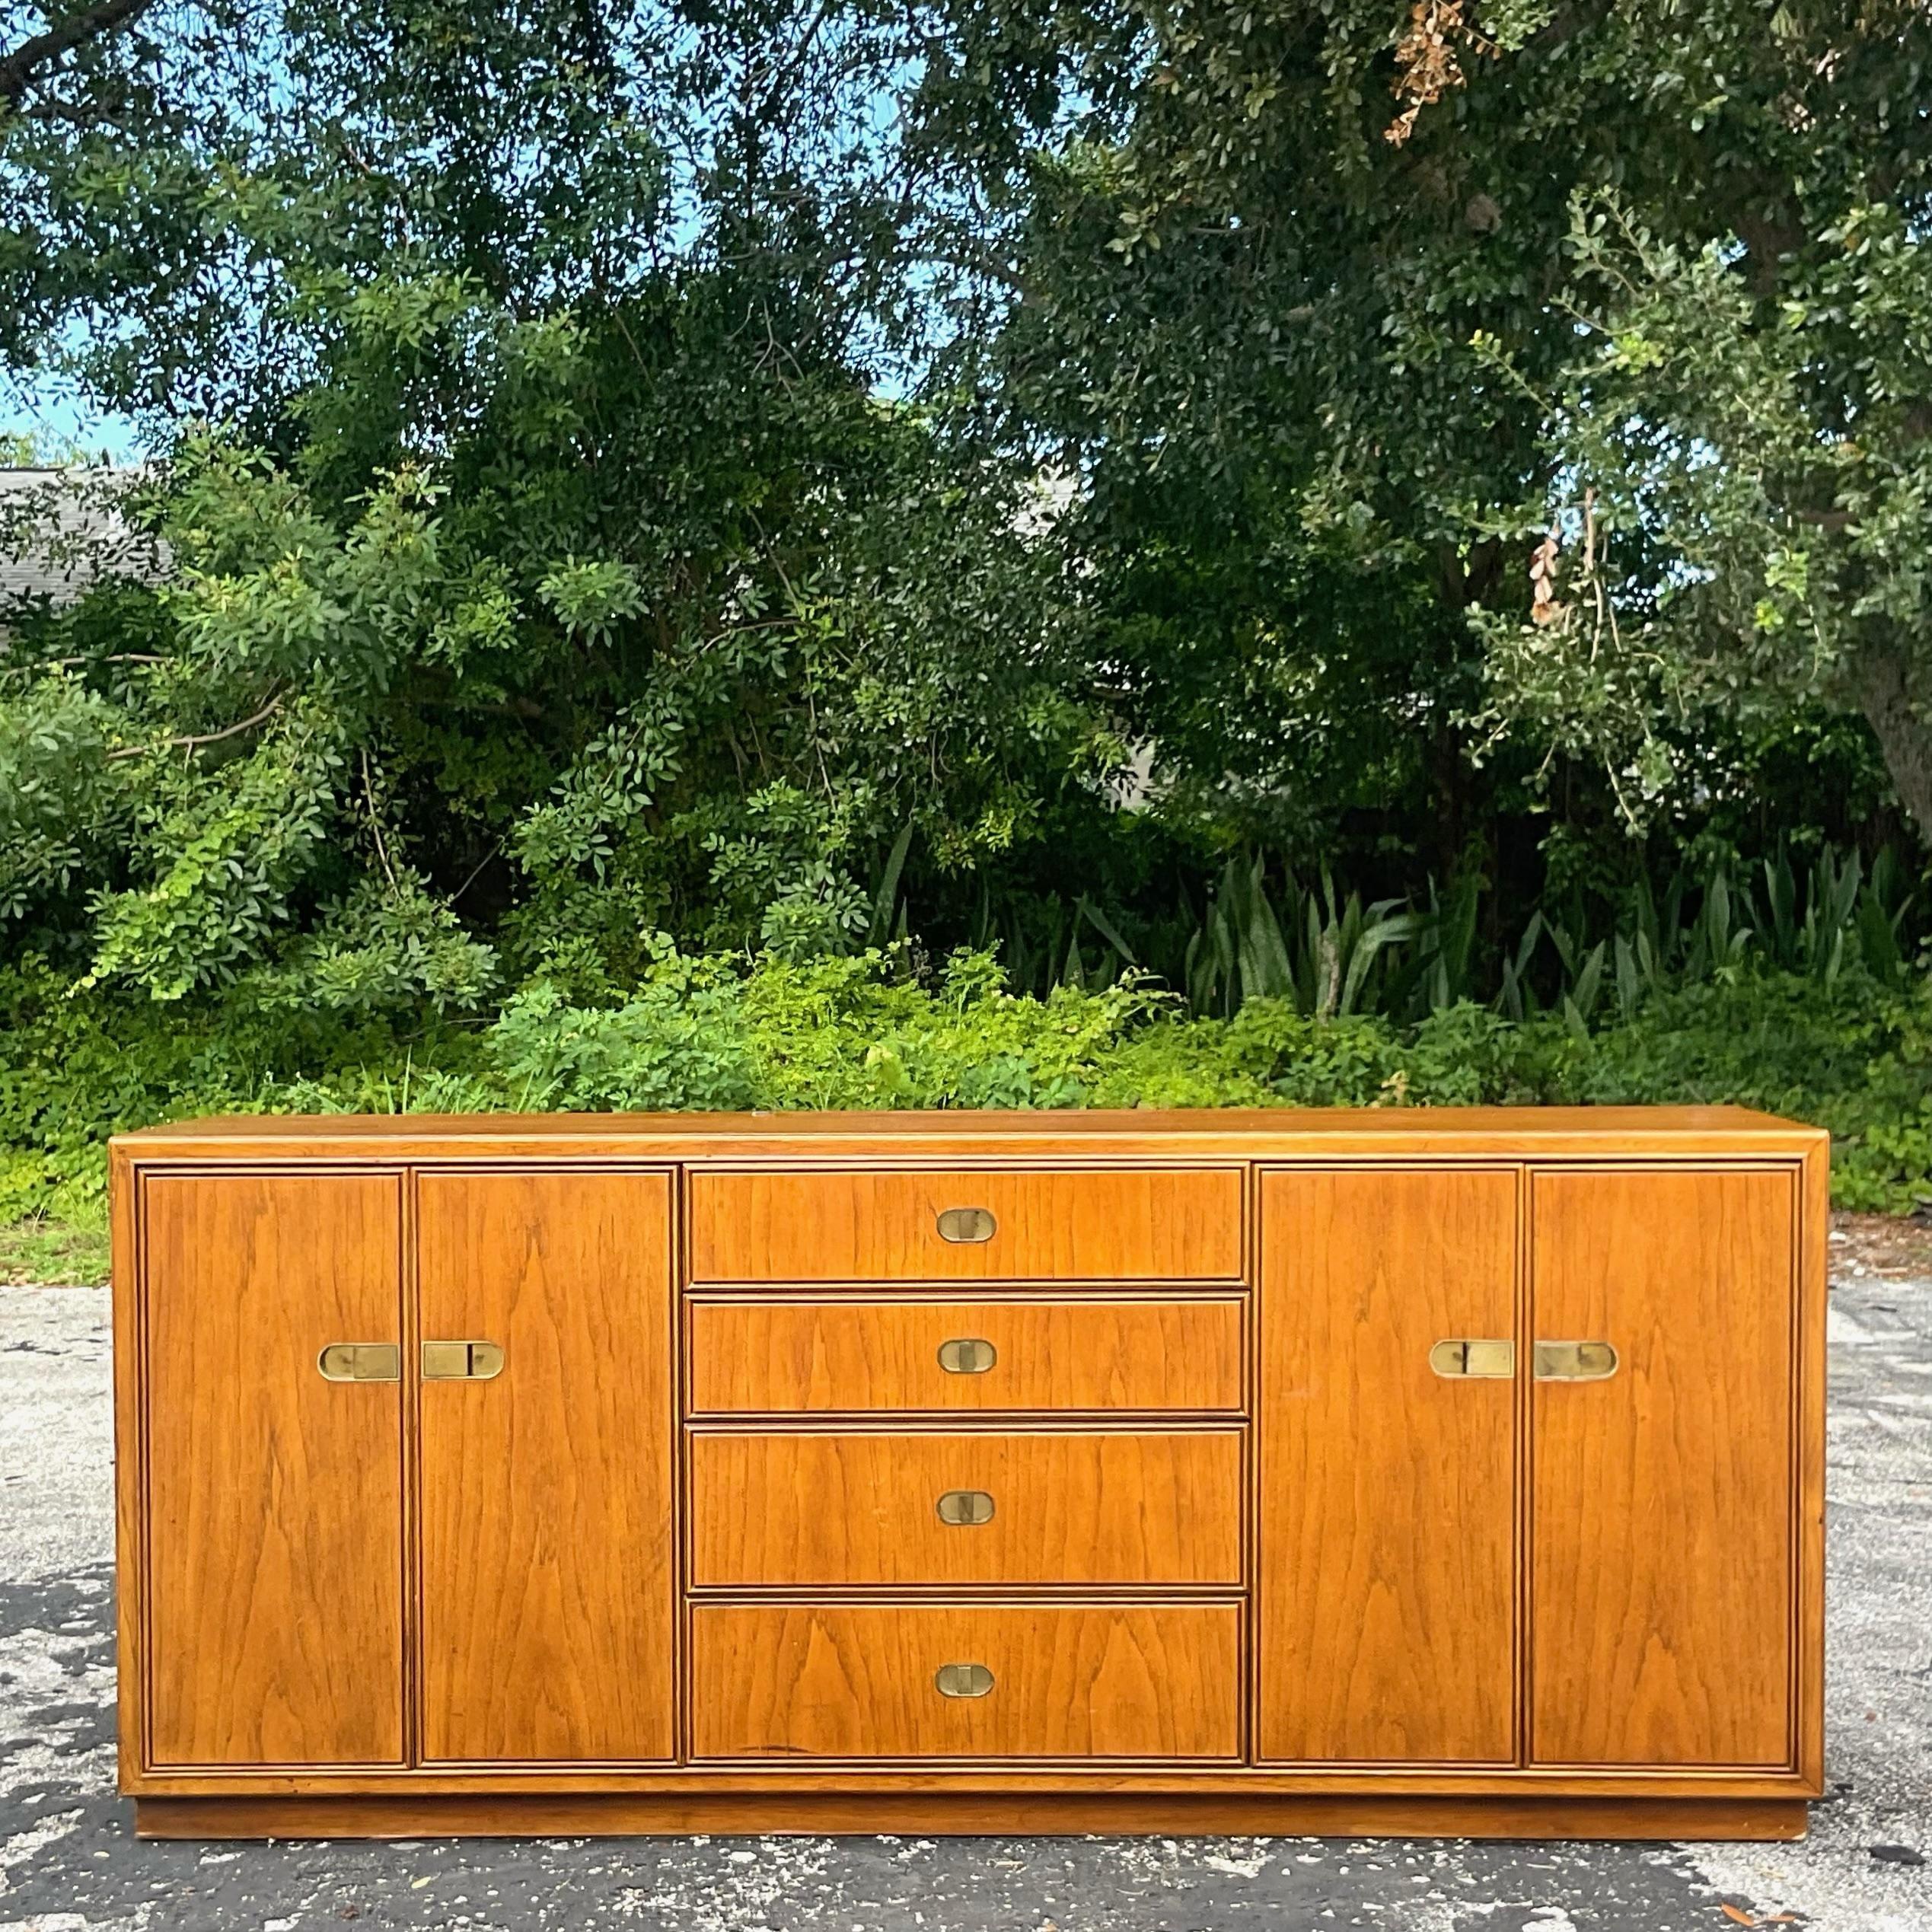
(60, 422)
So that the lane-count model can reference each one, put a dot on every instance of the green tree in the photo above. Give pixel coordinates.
(719, 467)
(1338, 311)
(571, 560)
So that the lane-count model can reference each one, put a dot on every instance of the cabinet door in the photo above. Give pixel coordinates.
(547, 1488)
(1661, 1575)
(1388, 1537)
(274, 1495)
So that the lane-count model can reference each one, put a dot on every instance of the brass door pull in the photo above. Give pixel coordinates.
(965, 1508)
(962, 1680)
(959, 1224)
(966, 1355)
(1488, 1358)
(361, 1361)
(1573, 1361)
(461, 1361)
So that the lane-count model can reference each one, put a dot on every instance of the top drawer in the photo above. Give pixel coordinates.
(968, 1224)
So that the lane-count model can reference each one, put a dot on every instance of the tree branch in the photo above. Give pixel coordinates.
(789, 70)
(375, 823)
(19, 66)
(262, 716)
(115, 657)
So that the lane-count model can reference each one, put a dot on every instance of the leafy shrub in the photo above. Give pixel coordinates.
(861, 1031)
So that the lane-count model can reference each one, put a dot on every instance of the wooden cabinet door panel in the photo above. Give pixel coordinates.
(813, 1357)
(1042, 1224)
(1387, 1516)
(274, 1496)
(1661, 1574)
(545, 1490)
(792, 1681)
(1066, 1508)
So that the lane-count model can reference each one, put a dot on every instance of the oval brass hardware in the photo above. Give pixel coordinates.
(461, 1361)
(965, 1508)
(1488, 1358)
(962, 1680)
(1573, 1361)
(959, 1224)
(361, 1361)
(966, 1355)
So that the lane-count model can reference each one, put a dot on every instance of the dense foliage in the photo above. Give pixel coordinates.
(697, 1033)
(1399, 522)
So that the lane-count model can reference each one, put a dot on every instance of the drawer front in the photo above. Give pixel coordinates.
(792, 1681)
(808, 1357)
(937, 1508)
(968, 1224)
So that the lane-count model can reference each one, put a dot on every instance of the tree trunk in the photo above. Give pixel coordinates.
(1881, 685)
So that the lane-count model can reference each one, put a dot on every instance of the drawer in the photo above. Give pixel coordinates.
(808, 1357)
(792, 1681)
(854, 1508)
(968, 1224)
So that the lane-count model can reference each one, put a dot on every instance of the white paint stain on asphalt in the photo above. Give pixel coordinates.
(23, 1845)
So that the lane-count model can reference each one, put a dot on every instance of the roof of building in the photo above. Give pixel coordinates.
(62, 529)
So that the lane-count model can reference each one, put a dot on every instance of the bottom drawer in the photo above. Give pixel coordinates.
(1114, 1681)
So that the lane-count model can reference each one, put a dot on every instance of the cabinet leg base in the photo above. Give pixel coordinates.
(527, 1814)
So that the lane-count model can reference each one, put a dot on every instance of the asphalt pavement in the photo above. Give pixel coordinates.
(69, 1861)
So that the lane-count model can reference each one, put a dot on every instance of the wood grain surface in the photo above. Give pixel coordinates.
(1812, 1374)
(1540, 1608)
(808, 1357)
(1078, 1507)
(1387, 1537)
(1662, 1567)
(547, 1595)
(891, 1139)
(855, 1682)
(1117, 1224)
(274, 1497)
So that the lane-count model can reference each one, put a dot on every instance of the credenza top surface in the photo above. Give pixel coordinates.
(1263, 1133)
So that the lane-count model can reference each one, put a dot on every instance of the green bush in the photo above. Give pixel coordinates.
(708, 1033)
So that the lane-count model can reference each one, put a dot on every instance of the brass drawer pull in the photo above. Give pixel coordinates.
(965, 1508)
(461, 1361)
(959, 1224)
(1489, 1360)
(962, 1680)
(361, 1361)
(966, 1355)
(1574, 1361)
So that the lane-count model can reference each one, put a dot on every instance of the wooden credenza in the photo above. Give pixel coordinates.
(1439, 1471)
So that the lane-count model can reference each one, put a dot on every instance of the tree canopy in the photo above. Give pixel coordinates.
(786, 473)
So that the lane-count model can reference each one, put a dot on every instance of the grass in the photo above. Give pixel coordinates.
(58, 1253)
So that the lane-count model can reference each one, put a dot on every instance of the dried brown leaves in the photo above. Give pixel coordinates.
(1427, 64)
(1544, 608)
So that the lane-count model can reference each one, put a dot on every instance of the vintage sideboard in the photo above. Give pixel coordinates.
(1394, 1470)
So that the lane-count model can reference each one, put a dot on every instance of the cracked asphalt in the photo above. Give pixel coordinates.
(69, 1861)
